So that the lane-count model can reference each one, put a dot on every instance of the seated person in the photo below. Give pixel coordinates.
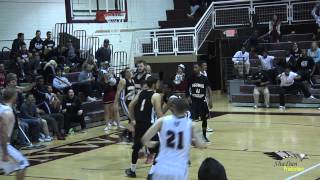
(314, 53)
(61, 83)
(36, 43)
(194, 6)
(29, 111)
(295, 51)
(211, 169)
(289, 82)
(241, 62)
(50, 71)
(260, 80)
(305, 65)
(87, 81)
(48, 47)
(71, 54)
(73, 112)
(290, 61)
(23, 60)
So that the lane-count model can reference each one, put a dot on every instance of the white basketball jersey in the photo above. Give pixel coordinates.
(4, 108)
(175, 143)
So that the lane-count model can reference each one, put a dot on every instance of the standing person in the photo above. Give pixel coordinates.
(241, 62)
(204, 68)
(306, 66)
(125, 94)
(109, 83)
(144, 109)
(73, 112)
(104, 53)
(36, 44)
(176, 133)
(11, 159)
(180, 81)
(274, 29)
(260, 80)
(316, 13)
(48, 47)
(2, 76)
(290, 81)
(267, 63)
(199, 88)
(140, 75)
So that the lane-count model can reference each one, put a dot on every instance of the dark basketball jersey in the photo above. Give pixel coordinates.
(197, 87)
(128, 93)
(143, 110)
(138, 81)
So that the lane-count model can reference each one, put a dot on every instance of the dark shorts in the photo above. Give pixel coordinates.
(140, 130)
(200, 109)
(108, 97)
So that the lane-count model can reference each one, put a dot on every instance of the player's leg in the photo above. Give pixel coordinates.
(107, 116)
(20, 174)
(125, 110)
(204, 115)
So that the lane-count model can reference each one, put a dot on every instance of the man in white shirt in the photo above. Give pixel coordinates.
(289, 82)
(61, 83)
(267, 65)
(241, 62)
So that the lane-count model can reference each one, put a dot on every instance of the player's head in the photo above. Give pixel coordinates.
(141, 66)
(196, 68)
(126, 73)
(177, 105)
(211, 169)
(150, 83)
(9, 95)
(204, 66)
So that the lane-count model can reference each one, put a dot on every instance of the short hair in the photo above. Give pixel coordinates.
(106, 41)
(211, 169)
(9, 93)
(180, 104)
(48, 32)
(20, 35)
(11, 76)
(149, 81)
(27, 95)
(141, 62)
(38, 31)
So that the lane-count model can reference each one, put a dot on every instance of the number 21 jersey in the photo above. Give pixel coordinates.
(175, 143)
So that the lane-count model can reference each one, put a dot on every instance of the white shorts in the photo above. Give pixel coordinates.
(17, 161)
(156, 176)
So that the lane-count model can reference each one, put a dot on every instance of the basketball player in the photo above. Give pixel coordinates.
(11, 159)
(140, 75)
(125, 93)
(204, 68)
(144, 109)
(199, 88)
(176, 133)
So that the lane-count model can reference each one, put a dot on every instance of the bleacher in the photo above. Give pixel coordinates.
(243, 96)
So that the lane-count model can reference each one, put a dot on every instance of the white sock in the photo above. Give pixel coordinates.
(151, 169)
(133, 167)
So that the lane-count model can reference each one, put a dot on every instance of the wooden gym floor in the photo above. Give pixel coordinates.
(240, 138)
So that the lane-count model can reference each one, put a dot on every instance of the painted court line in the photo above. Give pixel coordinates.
(302, 172)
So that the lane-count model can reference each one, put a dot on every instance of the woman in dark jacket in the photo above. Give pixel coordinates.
(72, 110)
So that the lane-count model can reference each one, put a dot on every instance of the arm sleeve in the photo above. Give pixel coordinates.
(235, 57)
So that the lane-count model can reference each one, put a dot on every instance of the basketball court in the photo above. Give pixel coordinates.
(239, 141)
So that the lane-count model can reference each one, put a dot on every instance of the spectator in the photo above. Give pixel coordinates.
(180, 82)
(73, 112)
(54, 101)
(17, 43)
(103, 54)
(50, 71)
(253, 41)
(61, 83)
(290, 61)
(23, 61)
(274, 29)
(194, 6)
(30, 112)
(316, 13)
(2, 76)
(36, 44)
(267, 65)
(71, 54)
(295, 51)
(87, 81)
(48, 47)
(314, 53)
(289, 82)
(260, 80)
(39, 92)
(306, 66)
(211, 169)
(241, 62)
(35, 64)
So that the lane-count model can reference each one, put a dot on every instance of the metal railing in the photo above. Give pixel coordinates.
(220, 14)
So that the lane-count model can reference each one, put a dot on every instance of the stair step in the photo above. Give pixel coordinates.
(181, 4)
(177, 14)
(297, 37)
(177, 23)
